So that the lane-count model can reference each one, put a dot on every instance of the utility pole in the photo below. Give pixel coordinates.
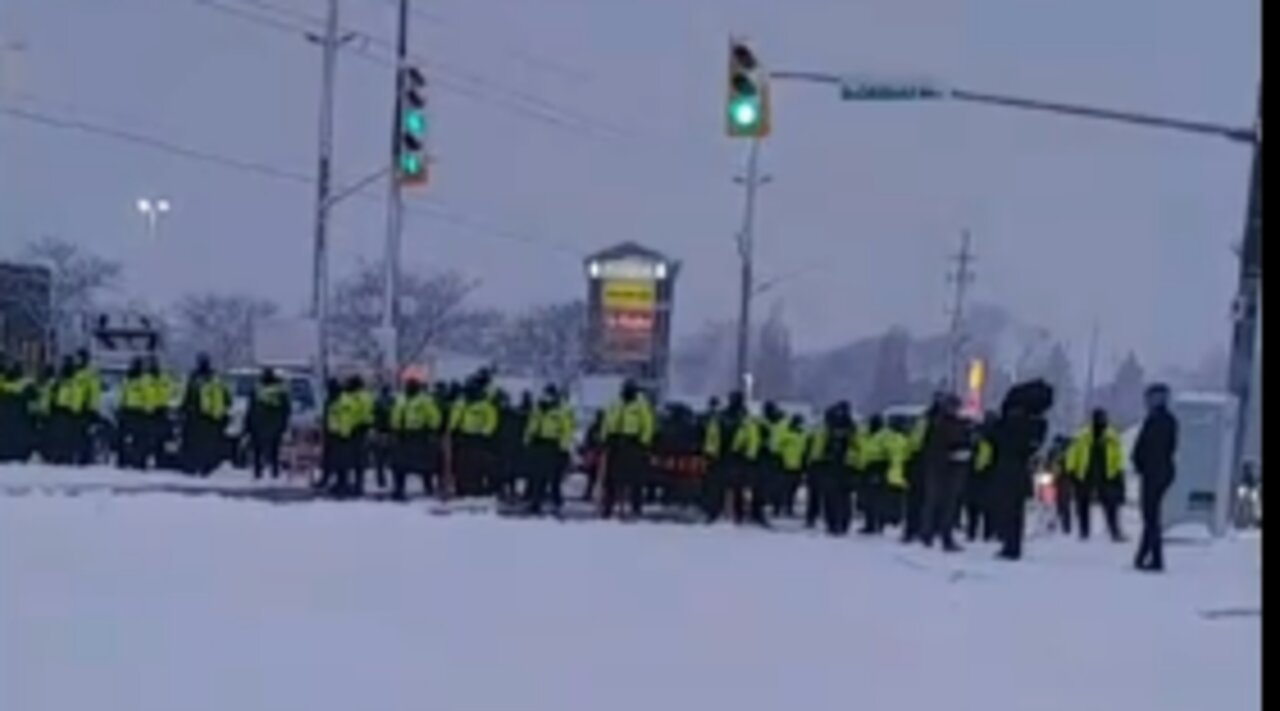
(330, 42)
(960, 279)
(746, 255)
(395, 208)
(1246, 310)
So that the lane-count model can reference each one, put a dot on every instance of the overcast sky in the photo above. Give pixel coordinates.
(565, 126)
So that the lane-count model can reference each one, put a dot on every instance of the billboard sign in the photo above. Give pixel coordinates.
(628, 309)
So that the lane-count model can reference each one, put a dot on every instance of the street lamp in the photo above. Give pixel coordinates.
(151, 209)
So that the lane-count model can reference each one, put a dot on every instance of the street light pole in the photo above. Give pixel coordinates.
(395, 209)
(746, 255)
(1246, 311)
(151, 211)
(330, 42)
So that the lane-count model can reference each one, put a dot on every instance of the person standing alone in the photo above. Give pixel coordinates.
(1153, 460)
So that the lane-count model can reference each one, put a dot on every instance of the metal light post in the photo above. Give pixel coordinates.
(152, 209)
(1246, 322)
(746, 254)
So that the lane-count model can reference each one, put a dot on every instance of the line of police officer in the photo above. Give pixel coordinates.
(57, 415)
(469, 440)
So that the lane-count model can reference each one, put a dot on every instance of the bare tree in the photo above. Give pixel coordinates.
(219, 325)
(701, 360)
(892, 383)
(547, 341)
(773, 359)
(432, 309)
(79, 278)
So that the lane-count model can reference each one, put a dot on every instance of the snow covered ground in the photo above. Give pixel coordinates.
(177, 603)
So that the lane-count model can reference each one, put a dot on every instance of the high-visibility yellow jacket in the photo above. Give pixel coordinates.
(818, 445)
(630, 420)
(475, 417)
(344, 416)
(554, 424)
(789, 444)
(892, 449)
(416, 413)
(70, 396)
(90, 385)
(214, 398)
(160, 389)
(1081, 447)
(135, 394)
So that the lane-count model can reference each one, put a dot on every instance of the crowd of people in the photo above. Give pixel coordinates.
(925, 477)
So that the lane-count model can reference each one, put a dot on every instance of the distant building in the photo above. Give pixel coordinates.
(26, 313)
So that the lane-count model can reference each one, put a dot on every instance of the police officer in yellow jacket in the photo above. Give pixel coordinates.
(416, 426)
(206, 409)
(157, 418)
(871, 482)
(733, 442)
(67, 419)
(343, 418)
(473, 429)
(829, 475)
(131, 412)
(548, 438)
(1096, 461)
(266, 422)
(17, 430)
(628, 432)
(89, 383)
(790, 441)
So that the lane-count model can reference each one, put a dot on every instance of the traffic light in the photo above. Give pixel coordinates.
(747, 107)
(411, 146)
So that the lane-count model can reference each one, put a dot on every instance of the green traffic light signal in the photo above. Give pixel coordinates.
(410, 165)
(744, 112)
(415, 123)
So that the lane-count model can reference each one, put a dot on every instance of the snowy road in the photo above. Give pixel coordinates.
(176, 603)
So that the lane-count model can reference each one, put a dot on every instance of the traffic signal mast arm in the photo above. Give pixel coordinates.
(925, 90)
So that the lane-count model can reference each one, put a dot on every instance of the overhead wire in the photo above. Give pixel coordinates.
(459, 80)
(451, 77)
(429, 207)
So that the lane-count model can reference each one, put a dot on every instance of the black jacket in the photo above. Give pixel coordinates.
(1154, 450)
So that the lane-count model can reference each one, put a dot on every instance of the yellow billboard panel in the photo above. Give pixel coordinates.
(629, 294)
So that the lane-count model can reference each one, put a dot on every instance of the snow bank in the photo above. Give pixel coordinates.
(165, 603)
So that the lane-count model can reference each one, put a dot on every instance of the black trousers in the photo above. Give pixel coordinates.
(413, 454)
(943, 488)
(914, 505)
(1150, 554)
(1063, 501)
(817, 486)
(1009, 500)
(1107, 494)
(546, 465)
(977, 508)
(871, 494)
(265, 450)
(625, 477)
(474, 465)
(838, 501)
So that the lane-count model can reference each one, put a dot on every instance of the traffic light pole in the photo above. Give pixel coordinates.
(395, 209)
(746, 255)
(320, 256)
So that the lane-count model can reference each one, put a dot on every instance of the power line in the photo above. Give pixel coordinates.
(428, 207)
(449, 76)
